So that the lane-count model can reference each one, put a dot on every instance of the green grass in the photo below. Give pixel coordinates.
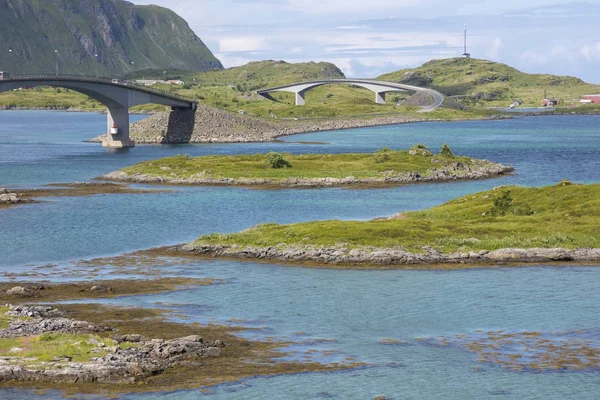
(565, 216)
(5, 319)
(49, 346)
(364, 165)
(483, 83)
(480, 84)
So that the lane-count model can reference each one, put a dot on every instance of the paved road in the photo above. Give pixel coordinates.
(374, 85)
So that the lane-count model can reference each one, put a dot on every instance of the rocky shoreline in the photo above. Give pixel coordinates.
(213, 125)
(386, 257)
(116, 364)
(479, 169)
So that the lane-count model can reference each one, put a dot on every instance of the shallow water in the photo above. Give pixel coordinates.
(355, 308)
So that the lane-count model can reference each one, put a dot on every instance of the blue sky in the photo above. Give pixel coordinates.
(369, 37)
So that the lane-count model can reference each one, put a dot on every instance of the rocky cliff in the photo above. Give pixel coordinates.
(106, 37)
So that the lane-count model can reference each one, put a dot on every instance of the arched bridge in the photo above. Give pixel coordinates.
(379, 87)
(117, 95)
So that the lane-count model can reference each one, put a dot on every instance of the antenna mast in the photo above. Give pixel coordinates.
(467, 55)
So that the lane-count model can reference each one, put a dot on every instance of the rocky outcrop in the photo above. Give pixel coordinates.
(341, 255)
(41, 319)
(479, 169)
(143, 358)
(7, 197)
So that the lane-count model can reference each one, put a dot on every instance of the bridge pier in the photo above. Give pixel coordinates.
(380, 97)
(300, 101)
(117, 119)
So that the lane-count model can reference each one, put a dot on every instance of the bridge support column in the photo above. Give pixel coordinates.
(117, 119)
(380, 97)
(300, 99)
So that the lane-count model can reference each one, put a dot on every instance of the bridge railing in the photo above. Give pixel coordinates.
(93, 79)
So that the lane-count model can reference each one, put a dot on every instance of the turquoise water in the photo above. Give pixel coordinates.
(353, 309)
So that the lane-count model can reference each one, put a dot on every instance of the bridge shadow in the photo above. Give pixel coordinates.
(180, 127)
(269, 97)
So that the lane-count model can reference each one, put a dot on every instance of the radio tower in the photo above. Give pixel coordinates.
(465, 54)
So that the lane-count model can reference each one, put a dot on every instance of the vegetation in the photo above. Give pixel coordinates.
(477, 84)
(283, 166)
(446, 151)
(565, 215)
(50, 346)
(489, 84)
(277, 160)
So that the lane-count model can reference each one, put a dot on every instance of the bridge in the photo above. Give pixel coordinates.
(380, 88)
(118, 96)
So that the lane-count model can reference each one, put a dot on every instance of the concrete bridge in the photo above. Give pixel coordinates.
(380, 88)
(117, 95)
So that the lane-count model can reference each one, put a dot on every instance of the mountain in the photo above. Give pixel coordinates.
(123, 36)
(488, 81)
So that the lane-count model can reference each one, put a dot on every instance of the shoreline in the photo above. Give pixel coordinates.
(213, 125)
(385, 258)
(92, 348)
(17, 197)
(487, 171)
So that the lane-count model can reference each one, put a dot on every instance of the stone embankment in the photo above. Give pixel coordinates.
(213, 125)
(388, 256)
(479, 169)
(140, 359)
(7, 197)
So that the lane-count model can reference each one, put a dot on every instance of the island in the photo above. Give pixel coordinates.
(384, 167)
(508, 224)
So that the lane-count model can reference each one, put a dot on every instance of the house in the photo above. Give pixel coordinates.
(549, 102)
(594, 98)
(175, 82)
(145, 82)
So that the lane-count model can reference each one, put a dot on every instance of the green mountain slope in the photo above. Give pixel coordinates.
(489, 82)
(119, 32)
(252, 76)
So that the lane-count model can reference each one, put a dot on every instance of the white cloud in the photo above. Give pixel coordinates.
(496, 49)
(350, 6)
(242, 43)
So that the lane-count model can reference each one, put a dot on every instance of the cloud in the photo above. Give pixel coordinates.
(242, 44)
(496, 49)
(364, 38)
(350, 6)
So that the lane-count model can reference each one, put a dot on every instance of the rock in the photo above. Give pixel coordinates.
(101, 289)
(507, 255)
(9, 198)
(388, 256)
(17, 291)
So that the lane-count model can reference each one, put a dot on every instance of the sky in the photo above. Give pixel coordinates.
(366, 38)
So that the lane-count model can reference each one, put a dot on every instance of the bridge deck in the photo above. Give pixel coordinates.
(92, 79)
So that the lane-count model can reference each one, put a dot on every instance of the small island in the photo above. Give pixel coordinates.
(508, 224)
(384, 167)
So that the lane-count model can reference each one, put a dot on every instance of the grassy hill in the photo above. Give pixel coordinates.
(118, 31)
(488, 83)
(252, 76)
